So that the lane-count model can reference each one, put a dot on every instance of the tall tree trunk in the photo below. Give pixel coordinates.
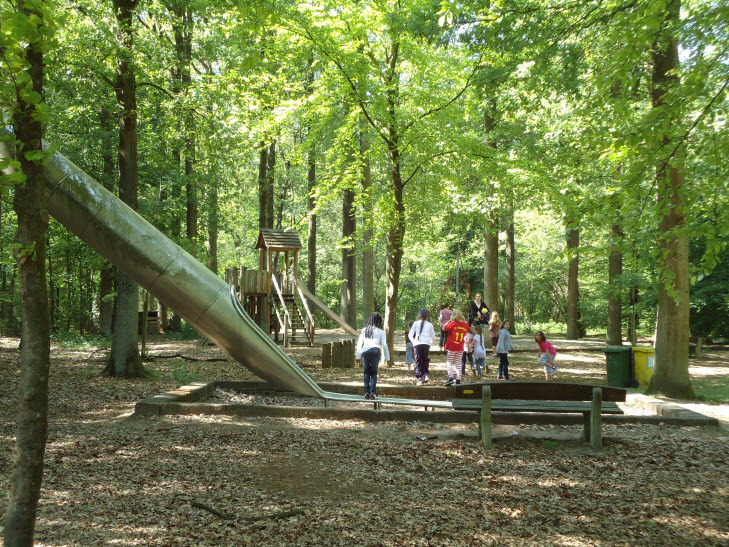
(573, 289)
(368, 253)
(491, 233)
(106, 275)
(396, 233)
(510, 282)
(491, 261)
(125, 359)
(615, 272)
(32, 218)
(265, 189)
(311, 238)
(51, 290)
(671, 376)
(349, 259)
(213, 219)
(395, 241)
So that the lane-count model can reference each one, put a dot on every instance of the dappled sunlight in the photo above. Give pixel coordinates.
(109, 477)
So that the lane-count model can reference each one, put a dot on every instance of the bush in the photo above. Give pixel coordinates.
(183, 373)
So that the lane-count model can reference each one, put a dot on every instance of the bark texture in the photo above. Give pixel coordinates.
(125, 359)
(32, 218)
(671, 376)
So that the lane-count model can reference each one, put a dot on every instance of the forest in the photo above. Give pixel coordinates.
(567, 159)
(564, 158)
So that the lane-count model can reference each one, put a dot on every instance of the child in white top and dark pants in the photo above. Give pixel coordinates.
(370, 346)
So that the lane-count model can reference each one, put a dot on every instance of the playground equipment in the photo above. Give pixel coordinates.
(275, 299)
(172, 275)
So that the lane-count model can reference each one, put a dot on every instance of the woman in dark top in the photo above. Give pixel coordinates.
(480, 313)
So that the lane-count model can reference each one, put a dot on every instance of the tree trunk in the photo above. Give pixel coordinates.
(106, 275)
(491, 262)
(368, 253)
(393, 263)
(311, 238)
(491, 233)
(270, 183)
(213, 218)
(615, 272)
(510, 284)
(573, 290)
(671, 376)
(125, 359)
(265, 187)
(51, 291)
(349, 259)
(32, 218)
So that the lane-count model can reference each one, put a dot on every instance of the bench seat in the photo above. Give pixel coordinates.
(540, 397)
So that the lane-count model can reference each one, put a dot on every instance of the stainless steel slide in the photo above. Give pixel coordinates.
(171, 274)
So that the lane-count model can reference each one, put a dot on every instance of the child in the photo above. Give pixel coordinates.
(479, 350)
(444, 316)
(409, 355)
(468, 344)
(494, 326)
(422, 335)
(503, 347)
(457, 329)
(371, 340)
(547, 354)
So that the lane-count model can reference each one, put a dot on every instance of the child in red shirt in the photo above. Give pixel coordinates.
(456, 329)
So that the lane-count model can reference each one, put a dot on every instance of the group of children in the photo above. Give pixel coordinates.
(461, 341)
(465, 341)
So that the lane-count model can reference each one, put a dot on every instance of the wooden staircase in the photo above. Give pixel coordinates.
(299, 329)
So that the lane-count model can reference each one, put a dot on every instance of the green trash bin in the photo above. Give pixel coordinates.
(618, 365)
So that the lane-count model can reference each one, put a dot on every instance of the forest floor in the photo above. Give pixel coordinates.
(114, 479)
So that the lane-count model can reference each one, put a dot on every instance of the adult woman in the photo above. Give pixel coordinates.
(480, 313)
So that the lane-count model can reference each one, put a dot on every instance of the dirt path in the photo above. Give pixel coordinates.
(112, 479)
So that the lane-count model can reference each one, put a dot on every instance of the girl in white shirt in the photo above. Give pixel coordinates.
(371, 341)
(422, 335)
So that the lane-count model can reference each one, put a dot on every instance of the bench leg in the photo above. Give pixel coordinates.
(587, 417)
(595, 417)
(484, 421)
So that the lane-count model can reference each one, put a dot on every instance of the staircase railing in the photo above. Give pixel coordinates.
(286, 318)
(329, 313)
(309, 315)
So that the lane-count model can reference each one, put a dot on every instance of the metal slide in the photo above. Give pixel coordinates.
(172, 275)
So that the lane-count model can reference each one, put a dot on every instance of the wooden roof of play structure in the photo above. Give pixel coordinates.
(278, 240)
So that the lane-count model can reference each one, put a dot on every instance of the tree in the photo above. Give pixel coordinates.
(672, 331)
(124, 359)
(24, 39)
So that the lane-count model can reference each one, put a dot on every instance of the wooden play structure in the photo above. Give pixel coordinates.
(273, 297)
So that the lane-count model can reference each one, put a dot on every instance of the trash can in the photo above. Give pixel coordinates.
(644, 358)
(618, 370)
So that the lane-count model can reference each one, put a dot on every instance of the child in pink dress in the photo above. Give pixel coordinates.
(547, 353)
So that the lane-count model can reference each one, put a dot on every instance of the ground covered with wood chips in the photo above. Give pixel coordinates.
(114, 479)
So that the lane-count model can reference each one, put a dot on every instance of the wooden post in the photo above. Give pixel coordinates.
(243, 283)
(287, 277)
(287, 340)
(336, 354)
(485, 419)
(266, 314)
(595, 417)
(326, 356)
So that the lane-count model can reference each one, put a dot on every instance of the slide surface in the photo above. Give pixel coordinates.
(169, 273)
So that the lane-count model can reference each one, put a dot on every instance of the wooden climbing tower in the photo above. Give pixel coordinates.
(271, 295)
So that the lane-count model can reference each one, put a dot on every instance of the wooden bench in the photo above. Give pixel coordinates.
(540, 397)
